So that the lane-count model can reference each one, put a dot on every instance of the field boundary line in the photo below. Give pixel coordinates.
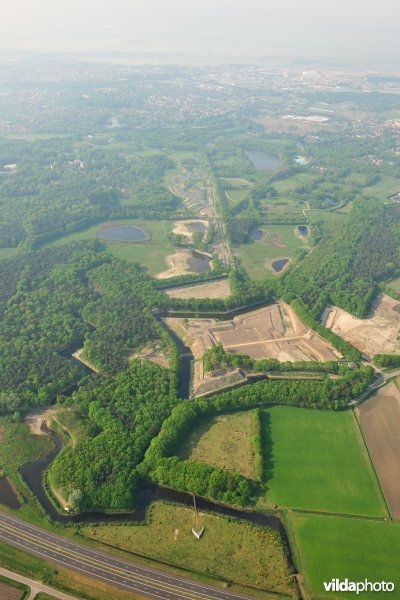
(338, 515)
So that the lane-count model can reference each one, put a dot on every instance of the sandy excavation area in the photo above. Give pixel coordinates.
(188, 228)
(274, 331)
(374, 335)
(213, 289)
(379, 418)
(185, 262)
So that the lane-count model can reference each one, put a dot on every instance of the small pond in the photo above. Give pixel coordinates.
(279, 264)
(303, 230)
(256, 235)
(198, 263)
(262, 160)
(8, 497)
(196, 227)
(123, 233)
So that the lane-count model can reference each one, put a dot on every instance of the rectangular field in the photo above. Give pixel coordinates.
(379, 419)
(223, 441)
(317, 460)
(213, 289)
(334, 547)
(377, 334)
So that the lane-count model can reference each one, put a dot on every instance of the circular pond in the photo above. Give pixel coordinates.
(123, 233)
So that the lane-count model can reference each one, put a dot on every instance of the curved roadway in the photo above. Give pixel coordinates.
(105, 567)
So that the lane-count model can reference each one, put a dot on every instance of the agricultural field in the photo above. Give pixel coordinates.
(226, 550)
(224, 441)
(274, 331)
(333, 547)
(152, 253)
(213, 289)
(279, 241)
(379, 419)
(377, 334)
(317, 460)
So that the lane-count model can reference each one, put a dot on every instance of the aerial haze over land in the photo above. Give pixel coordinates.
(208, 32)
(199, 298)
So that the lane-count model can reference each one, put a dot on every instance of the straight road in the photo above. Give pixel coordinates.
(36, 586)
(105, 567)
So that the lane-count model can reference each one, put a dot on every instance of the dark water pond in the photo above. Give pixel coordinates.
(331, 202)
(196, 227)
(303, 230)
(256, 235)
(262, 160)
(198, 263)
(8, 495)
(123, 233)
(280, 264)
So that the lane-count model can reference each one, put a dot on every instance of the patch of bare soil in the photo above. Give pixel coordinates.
(188, 228)
(37, 416)
(274, 331)
(213, 289)
(379, 419)
(377, 334)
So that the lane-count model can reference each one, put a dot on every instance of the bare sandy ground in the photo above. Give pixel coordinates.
(183, 227)
(274, 331)
(214, 289)
(36, 417)
(179, 264)
(379, 418)
(374, 335)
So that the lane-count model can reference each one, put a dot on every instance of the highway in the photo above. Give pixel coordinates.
(105, 567)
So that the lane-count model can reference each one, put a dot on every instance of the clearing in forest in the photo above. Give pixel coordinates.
(379, 418)
(223, 441)
(274, 331)
(317, 460)
(213, 289)
(378, 334)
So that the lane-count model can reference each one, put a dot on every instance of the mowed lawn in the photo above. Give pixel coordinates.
(317, 460)
(337, 547)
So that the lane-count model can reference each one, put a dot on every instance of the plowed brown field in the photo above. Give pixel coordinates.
(379, 418)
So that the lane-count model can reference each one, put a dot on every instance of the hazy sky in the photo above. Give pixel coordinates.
(229, 29)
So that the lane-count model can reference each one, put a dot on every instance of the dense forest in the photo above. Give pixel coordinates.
(346, 267)
(125, 413)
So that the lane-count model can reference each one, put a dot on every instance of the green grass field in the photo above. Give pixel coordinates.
(334, 547)
(224, 441)
(151, 253)
(317, 460)
(285, 185)
(7, 252)
(395, 284)
(280, 241)
(384, 188)
(226, 551)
